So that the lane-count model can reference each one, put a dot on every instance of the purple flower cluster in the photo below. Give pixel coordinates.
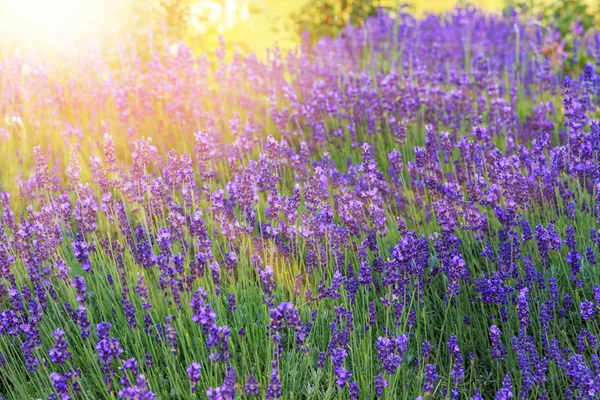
(390, 352)
(60, 352)
(108, 350)
(288, 314)
(498, 349)
(138, 392)
(65, 384)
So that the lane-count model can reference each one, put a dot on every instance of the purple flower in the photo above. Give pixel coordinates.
(322, 359)
(498, 349)
(390, 352)
(251, 388)
(364, 274)
(554, 240)
(453, 348)
(597, 294)
(193, 371)
(505, 393)
(80, 288)
(372, 314)
(171, 334)
(131, 365)
(288, 314)
(425, 350)
(231, 302)
(274, 388)
(129, 313)
(531, 366)
(587, 310)
(431, 376)
(227, 390)
(108, 349)
(203, 314)
(458, 371)
(589, 254)
(82, 320)
(581, 377)
(60, 352)
(31, 343)
(266, 277)
(570, 239)
(149, 360)
(140, 391)
(523, 307)
(9, 323)
(353, 391)
(81, 251)
(60, 383)
(380, 384)
(337, 359)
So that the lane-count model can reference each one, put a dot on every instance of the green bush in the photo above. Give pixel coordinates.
(321, 18)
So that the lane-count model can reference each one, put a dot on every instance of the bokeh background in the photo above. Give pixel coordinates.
(252, 24)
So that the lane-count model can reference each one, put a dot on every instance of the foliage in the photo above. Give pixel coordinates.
(319, 18)
(170, 15)
(572, 20)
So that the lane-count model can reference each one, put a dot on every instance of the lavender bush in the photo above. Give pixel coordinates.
(407, 211)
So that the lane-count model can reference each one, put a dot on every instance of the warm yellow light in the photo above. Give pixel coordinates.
(222, 14)
(56, 22)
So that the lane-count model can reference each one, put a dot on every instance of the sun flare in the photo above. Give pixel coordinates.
(56, 22)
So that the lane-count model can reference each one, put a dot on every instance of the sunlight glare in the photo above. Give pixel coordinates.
(221, 14)
(55, 22)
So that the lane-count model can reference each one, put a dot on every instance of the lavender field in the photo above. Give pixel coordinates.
(408, 211)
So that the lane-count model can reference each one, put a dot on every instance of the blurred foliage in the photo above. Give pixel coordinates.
(569, 15)
(253, 25)
(172, 16)
(571, 20)
(266, 22)
(321, 18)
